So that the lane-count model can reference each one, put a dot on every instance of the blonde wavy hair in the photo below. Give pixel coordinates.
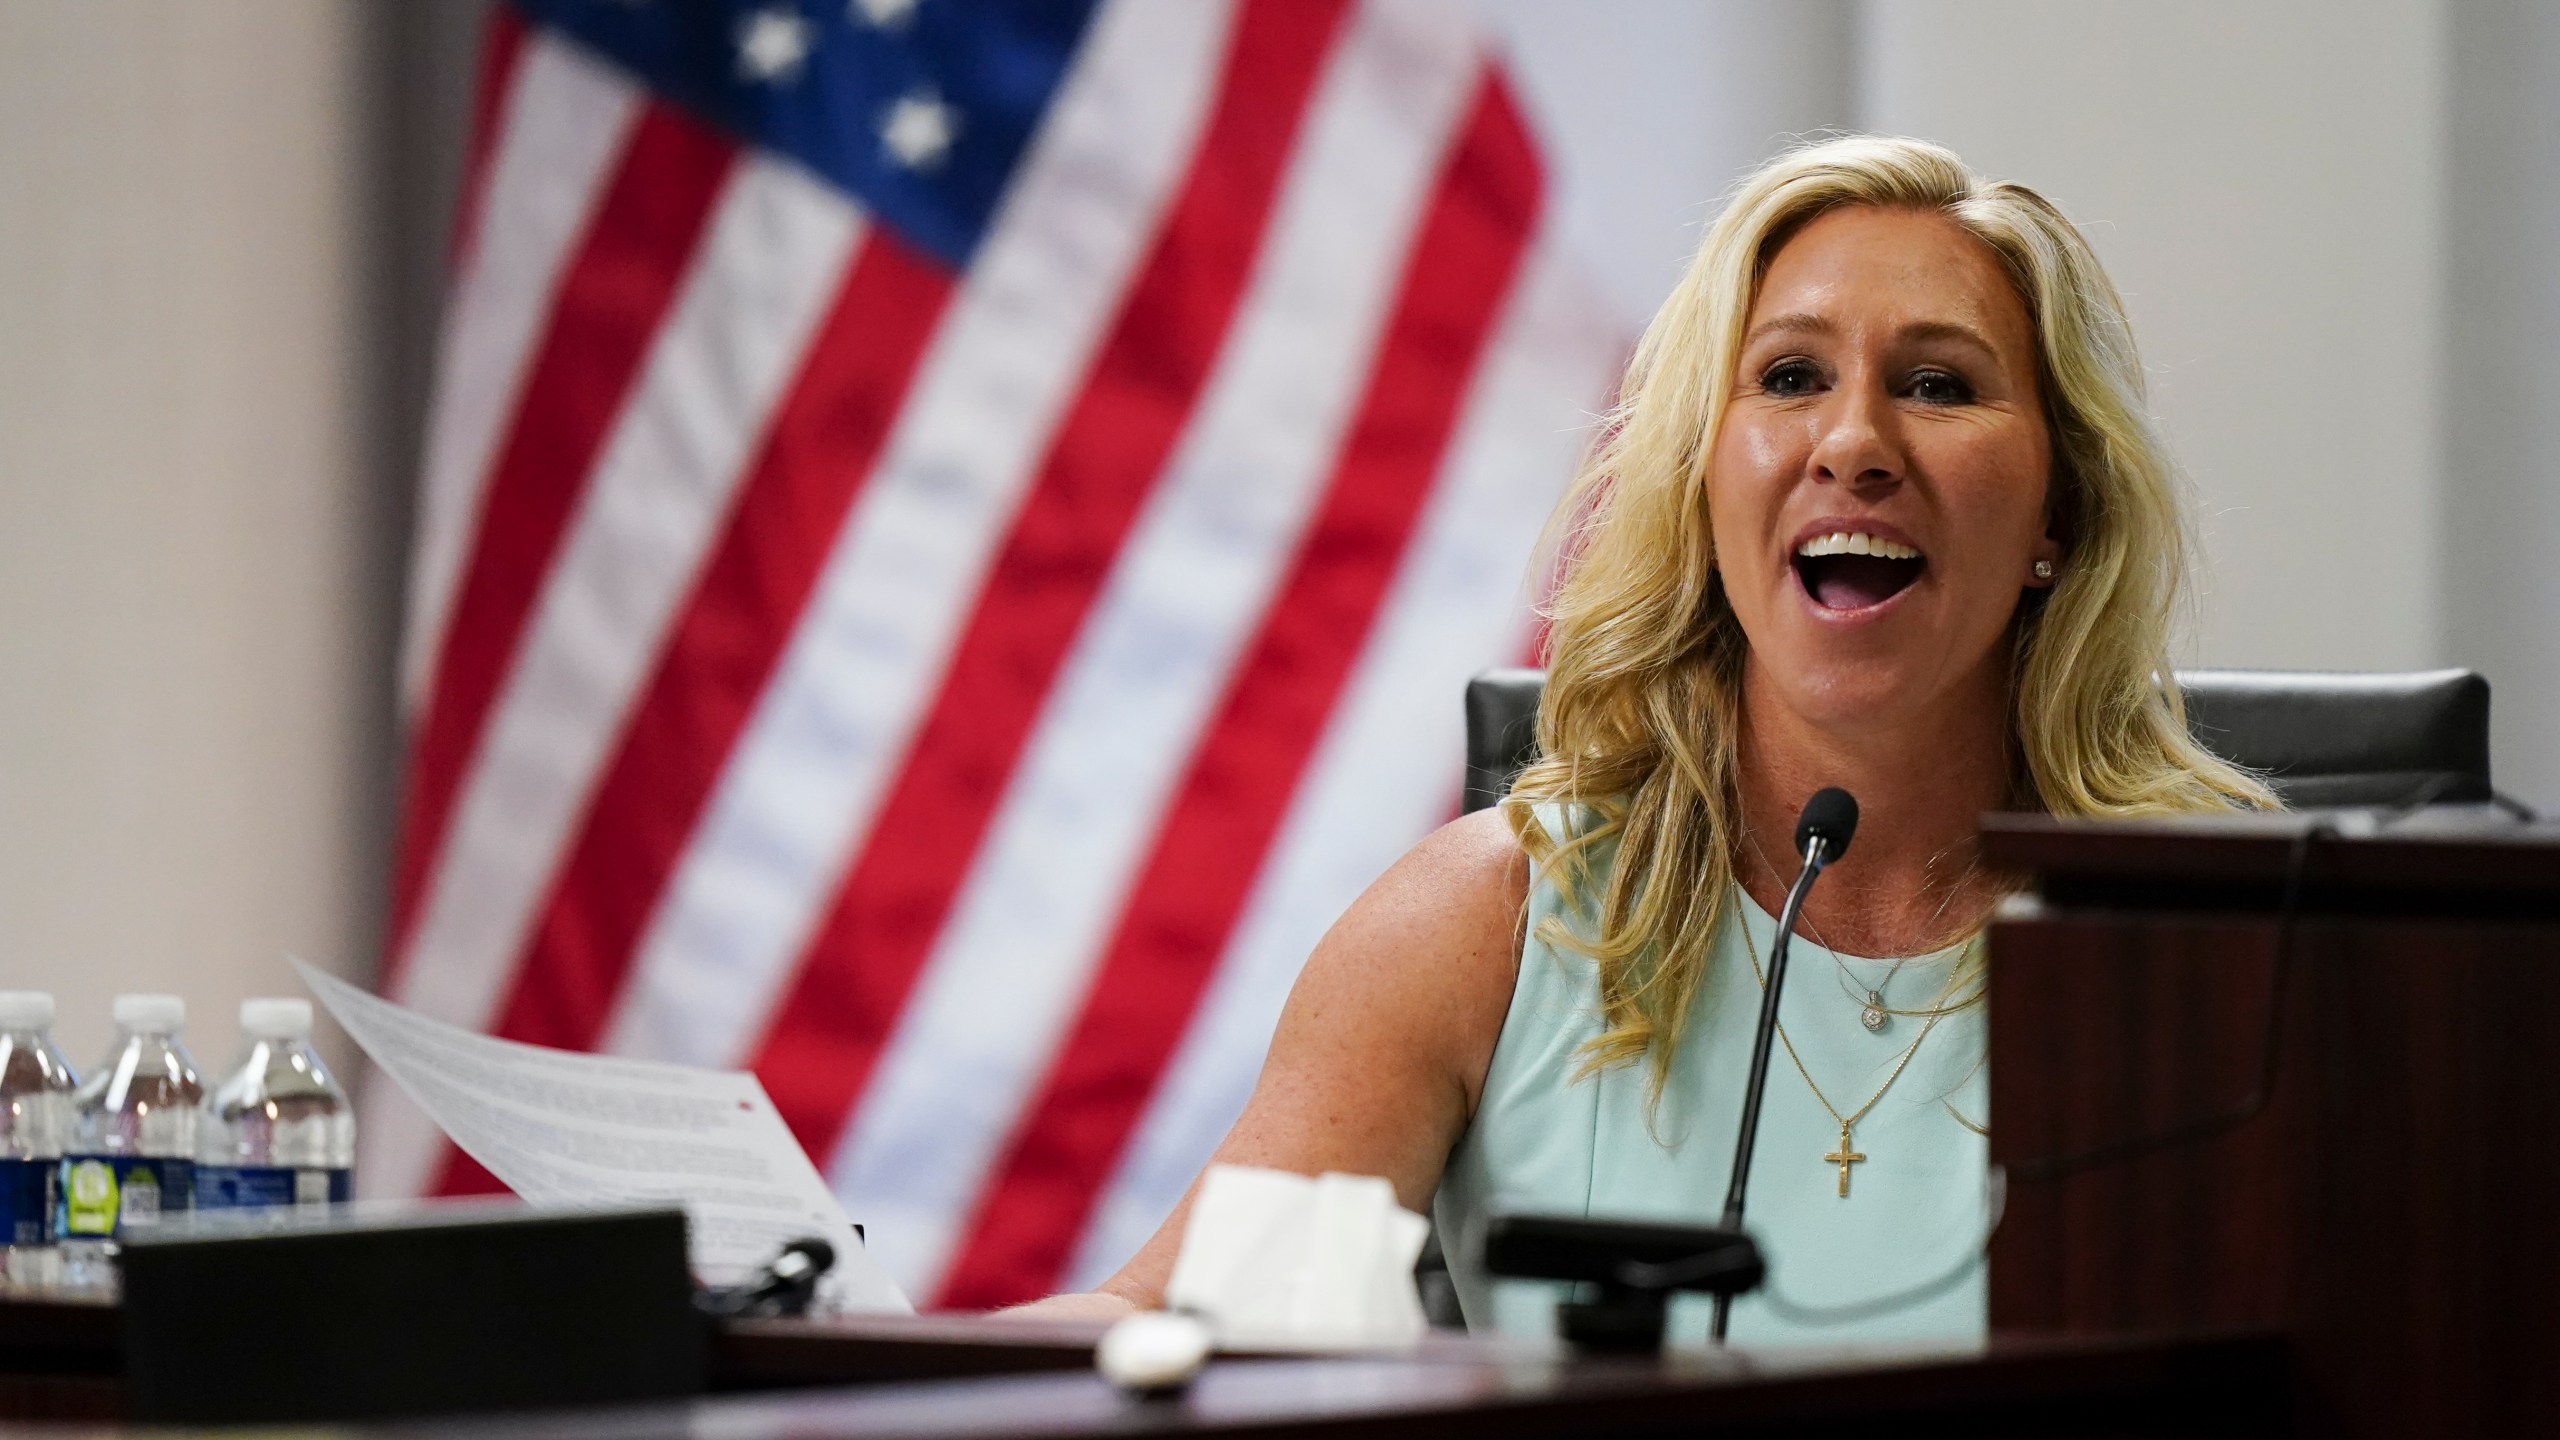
(1637, 729)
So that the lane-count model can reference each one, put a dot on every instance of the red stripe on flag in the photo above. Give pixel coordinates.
(459, 1174)
(629, 265)
(881, 925)
(501, 59)
(723, 649)
(1240, 779)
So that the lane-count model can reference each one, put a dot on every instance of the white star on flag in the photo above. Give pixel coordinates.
(773, 45)
(881, 14)
(919, 130)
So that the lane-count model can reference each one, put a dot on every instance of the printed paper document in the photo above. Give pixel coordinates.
(561, 1128)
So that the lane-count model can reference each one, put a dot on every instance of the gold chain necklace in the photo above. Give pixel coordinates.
(1844, 1157)
(1873, 1012)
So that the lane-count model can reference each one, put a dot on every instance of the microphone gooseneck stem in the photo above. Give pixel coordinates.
(1816, 855)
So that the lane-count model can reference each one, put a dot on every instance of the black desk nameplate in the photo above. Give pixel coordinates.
(431, 1315)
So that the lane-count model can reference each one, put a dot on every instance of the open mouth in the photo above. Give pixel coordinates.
(1849, 570)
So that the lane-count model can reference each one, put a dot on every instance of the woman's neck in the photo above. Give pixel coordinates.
(1910, 883)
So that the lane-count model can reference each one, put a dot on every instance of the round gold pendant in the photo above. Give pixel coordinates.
(1872, 1014)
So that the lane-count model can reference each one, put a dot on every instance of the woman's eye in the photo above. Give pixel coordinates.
(1939, 387)
(1790, 377)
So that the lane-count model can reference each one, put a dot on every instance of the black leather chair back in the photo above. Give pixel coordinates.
(2320, 738)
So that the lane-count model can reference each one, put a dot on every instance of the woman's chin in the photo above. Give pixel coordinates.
(1866, 693)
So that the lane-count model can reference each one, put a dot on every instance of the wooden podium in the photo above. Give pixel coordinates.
(2391, 1201)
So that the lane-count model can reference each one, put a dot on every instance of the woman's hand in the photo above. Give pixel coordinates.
(1090, 1307)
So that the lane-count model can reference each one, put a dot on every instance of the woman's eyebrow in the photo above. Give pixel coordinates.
(1797, 322)
(1949, 330)
(1804, 323)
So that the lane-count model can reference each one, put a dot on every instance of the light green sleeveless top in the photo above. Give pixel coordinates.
(1545, 1142)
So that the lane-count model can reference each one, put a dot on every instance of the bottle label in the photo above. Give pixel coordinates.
(108, 1195)
(26, 1201)
(262, 1187)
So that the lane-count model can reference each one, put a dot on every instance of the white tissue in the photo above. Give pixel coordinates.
(1279, 1261)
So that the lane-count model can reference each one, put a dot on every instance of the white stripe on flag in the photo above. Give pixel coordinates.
(560, 129)
(776, 250)
(803, 782)
(1183, 598)
(1392, 755)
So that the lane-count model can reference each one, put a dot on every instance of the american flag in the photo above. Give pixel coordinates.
(952, 534)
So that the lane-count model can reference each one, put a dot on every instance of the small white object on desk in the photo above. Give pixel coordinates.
(1153, 1351)
(1278, 1261)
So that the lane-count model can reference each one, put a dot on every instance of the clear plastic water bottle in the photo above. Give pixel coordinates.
(131, 1159)
(278, 1131)
(35, 1122)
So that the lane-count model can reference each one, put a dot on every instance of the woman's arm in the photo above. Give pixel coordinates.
(1380, 1055)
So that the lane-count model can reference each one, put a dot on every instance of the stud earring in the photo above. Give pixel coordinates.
(2044, 569)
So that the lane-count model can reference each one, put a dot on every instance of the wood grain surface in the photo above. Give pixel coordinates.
(2393, 1204)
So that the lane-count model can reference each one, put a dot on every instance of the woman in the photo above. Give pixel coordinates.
(1879, 508)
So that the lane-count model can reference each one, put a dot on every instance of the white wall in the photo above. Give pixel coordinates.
(2502, 371)
(185, 763)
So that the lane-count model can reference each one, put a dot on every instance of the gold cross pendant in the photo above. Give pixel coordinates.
(1844, 1157)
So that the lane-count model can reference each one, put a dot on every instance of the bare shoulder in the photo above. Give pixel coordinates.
(1456, 896)
(1424, 960)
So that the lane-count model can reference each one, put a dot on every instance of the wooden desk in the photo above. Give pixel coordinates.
(62, 1360)
(59, 1361)
(2117, 1388)
(2395, 1204)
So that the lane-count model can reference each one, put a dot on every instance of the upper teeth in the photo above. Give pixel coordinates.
(1857, 542)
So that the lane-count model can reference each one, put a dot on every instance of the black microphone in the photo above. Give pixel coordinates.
(783, 1286)
(1822, 836)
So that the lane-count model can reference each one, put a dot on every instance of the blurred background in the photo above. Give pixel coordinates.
(226, 239)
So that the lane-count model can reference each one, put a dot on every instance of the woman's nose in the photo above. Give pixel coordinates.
(1856, 445)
